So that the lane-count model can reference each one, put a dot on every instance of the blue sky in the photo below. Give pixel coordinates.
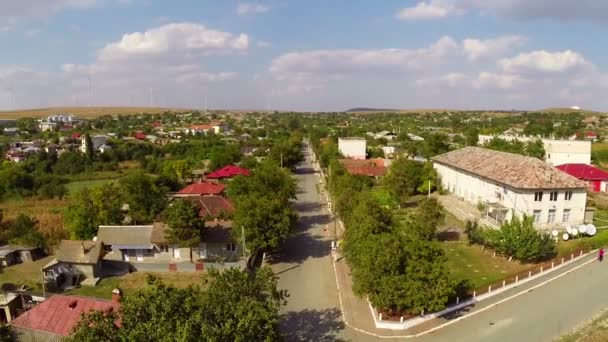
(304, 55)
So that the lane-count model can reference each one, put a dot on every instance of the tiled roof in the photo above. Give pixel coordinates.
(515, 170)
(584, 171)
(80, 252)
(228, 171)
(212, 206)
(365, 167)
(203, 188)
(139, 236)
(59, 314)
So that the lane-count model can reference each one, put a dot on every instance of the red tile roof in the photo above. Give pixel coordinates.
(228, 171)
(212, 206)
(201, 127)
(139, 136)
(203, 188)
(59, 314)
(365, 167)
(584, 171)
(76, 135)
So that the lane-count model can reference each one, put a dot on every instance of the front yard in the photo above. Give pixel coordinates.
(481, 268)
(136, 280)
(29, 274)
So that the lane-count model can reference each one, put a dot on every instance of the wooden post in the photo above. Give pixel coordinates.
(401, 319)
(380, 316)
(552, 264)
(581, 252)
(457, 300)
(562, 260)
(529, 274)
(494, 254)
(516, 278)
(504, 282)
(474, 294)
(571, 256)
(541, 269)
(489, 288)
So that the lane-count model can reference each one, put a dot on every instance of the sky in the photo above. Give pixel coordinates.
(305, 55)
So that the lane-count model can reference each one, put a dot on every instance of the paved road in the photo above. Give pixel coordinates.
(305, 269)
(312, 314)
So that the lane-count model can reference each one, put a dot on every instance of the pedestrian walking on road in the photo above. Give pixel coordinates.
(600, 256)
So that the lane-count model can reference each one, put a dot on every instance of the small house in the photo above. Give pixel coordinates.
(10, 255)
(76, 263)
(217, 242)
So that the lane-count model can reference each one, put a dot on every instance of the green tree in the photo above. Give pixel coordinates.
(535, 149)
(80, 217)
(22, 231)
(266, 220)
(518, 238)
(107, 203)
(233, 305)
(267, 179)
(88, 143)
(144, 197)
(471, 136)
(403, 179)
(422, 223)
(184, 223)
(5, 333)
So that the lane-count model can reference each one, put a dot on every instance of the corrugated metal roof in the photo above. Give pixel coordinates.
(125, 235)
(584, 171)
(515, 170)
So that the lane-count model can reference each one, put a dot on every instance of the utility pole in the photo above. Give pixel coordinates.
(43, 285)
(243, 234)
(281, 159)
(429, 189)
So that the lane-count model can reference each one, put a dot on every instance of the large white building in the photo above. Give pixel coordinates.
(557, 152)
(509, 184)
(354, 148)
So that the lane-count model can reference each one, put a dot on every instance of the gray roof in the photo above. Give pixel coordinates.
(79, 252)
(126, 236)
(8, 249)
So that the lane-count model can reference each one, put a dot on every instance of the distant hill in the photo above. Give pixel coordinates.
(562, 110)
(364, 109)
(83, 112)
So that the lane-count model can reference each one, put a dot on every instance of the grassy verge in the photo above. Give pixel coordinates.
(29, 274)
(480, 267)
(594, 330)
(74, 187)
(565, 248)
(133, 281)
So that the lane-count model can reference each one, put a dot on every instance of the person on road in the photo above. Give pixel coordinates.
(600, 256)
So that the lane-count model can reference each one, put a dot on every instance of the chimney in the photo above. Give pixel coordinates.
(116, 295)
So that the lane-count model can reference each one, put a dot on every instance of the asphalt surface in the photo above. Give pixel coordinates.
(304, 267)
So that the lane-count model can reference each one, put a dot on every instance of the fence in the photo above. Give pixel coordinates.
(478, 295)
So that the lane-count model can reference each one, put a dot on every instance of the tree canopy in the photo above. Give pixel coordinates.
(233, 305)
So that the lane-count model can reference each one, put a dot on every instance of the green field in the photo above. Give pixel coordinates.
(479, 267)
(74, 187)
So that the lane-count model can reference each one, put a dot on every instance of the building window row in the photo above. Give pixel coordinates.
(536, 214)
(538, 196)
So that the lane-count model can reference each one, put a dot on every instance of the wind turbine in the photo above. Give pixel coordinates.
(90, 90)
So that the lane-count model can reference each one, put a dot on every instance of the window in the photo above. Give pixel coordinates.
(538, 196)
(566, 216)
(551, 217)
(536, 215)
(231, 247)
(553, 196)
(568, 195)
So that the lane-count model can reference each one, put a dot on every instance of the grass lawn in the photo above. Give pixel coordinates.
(134, 281)
(593, 331)
(29, 273)
(599, 147)
(74, 187)
(480, 268)
(565, 248)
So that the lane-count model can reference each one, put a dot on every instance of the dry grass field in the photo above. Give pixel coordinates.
(83, 112)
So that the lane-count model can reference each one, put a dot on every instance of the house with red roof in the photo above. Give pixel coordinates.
(55, 318)
(228, 171)
(212, 207)
(595, 177)
(139, 135)
(365, 167)
(201, 188)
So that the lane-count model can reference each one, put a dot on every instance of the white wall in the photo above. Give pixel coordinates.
(352, 148)
(475, 189)
(559, 152)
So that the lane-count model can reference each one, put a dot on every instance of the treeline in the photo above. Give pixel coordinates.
(517, 239)
(533, 148)
(234, 305)
(392, 260)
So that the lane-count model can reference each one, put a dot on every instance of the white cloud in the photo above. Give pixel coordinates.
(490, 80)
(251, 8)
(176, 38)
(544, 62)
(427, 10)
(454, 79)
(343, 62)
(205, 76)
(476, 49)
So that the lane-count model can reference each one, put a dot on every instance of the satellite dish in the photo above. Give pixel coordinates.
(554, 232)
(582, 228)
(568, 229)
(591, 230)
(565, 236)
(574, 232)
(94, 238)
